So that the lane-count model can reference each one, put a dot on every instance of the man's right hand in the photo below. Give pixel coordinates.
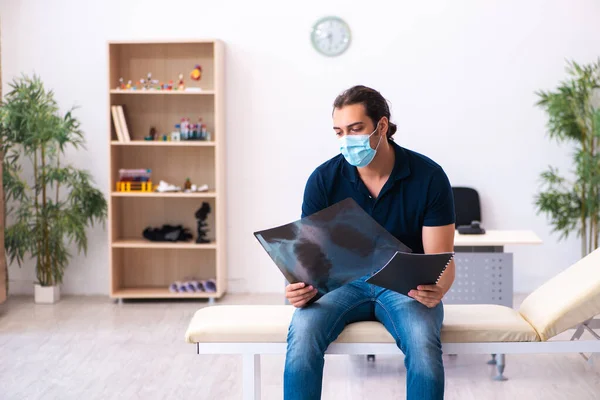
(299, 294)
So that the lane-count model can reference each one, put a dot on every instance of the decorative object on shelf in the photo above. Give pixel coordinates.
(167, 187)
(331, 36)
(148, 83)
(193, 286)
(134, 180)
(201, 215)
(187, 186)
(168, 233)
(201, 188)
(175, 136)
(48, 219)
(153, 133)
(184, 128)
(210, 285)
(154, 84)
(196, 73)
(573, 203)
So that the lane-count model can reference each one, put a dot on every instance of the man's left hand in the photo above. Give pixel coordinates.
(428, 295)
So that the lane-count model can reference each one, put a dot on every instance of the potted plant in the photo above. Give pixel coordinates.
(49, 204)
(573, 108)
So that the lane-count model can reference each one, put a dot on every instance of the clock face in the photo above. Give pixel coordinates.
(331, 36)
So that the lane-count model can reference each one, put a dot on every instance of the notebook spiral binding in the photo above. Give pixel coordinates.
(444, 269)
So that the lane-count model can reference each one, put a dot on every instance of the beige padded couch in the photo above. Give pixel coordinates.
(569, 299)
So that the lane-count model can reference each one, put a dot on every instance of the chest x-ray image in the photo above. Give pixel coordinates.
(331, 247)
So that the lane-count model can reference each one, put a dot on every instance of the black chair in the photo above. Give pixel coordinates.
(466, 205)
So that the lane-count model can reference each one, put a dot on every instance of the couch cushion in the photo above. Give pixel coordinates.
(260, 324)
(568, 299)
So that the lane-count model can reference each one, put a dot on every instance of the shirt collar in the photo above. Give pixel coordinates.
(401, 168)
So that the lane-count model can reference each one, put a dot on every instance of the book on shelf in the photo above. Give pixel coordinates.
(123, 122)
(116, 122)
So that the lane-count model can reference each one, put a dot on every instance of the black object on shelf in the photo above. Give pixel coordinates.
(168, 233)
(201, 215)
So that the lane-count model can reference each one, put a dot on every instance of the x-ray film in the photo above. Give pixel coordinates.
(331, 247)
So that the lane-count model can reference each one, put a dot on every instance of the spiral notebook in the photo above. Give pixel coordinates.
(405, 271)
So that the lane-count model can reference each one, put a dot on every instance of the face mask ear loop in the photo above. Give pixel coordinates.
(376, 127)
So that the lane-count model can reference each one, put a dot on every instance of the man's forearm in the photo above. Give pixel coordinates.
(447, 277)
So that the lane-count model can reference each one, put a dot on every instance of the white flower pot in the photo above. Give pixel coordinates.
(47, 294)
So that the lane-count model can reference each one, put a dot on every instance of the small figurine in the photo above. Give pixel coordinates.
(196, 73)
(170, 86)
(149, 82)
(201, 215)
(128, 87)
(121, 84)
(181, 85)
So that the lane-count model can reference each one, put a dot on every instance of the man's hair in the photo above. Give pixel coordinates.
(376, 106)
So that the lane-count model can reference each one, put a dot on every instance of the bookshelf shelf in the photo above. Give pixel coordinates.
(166, 194)
(164, 92)
(183, 143)
(160, 293)
(145, 244)
(140, 268)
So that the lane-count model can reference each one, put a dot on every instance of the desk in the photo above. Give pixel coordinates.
(484, 272)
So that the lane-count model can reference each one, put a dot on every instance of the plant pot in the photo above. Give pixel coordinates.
(47, 294)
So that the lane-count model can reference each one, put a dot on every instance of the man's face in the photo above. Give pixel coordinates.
(353, 120)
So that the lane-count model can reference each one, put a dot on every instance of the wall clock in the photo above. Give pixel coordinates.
(330, 36)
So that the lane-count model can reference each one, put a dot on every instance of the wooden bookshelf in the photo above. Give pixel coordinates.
(140, 268)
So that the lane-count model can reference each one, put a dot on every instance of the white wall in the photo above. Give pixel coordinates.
(461, 77)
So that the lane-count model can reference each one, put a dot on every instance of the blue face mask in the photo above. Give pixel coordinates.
(357, 150)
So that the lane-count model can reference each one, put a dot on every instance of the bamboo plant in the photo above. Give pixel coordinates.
(48, 204)
(573, 108)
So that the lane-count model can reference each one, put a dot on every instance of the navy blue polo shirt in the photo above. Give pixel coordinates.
(417, 193)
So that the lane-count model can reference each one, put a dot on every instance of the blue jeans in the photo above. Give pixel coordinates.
(415, 328)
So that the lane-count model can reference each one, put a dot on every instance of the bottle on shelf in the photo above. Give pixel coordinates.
(185, 128)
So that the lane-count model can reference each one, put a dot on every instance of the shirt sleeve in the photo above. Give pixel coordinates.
(315, 198)
(440, 201)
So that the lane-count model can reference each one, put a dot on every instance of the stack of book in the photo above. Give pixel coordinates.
(118, 117)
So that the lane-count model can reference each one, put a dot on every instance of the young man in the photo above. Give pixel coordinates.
(410, 196)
